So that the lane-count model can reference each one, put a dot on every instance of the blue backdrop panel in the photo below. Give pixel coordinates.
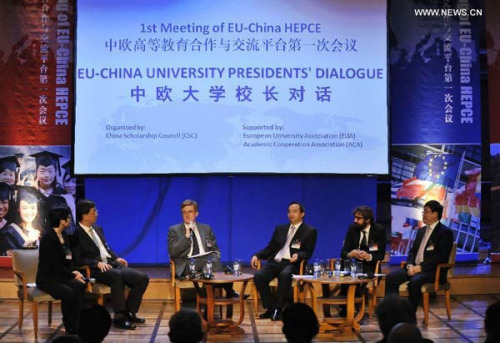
(242, 210)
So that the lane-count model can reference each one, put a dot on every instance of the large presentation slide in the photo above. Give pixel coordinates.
(231, 86)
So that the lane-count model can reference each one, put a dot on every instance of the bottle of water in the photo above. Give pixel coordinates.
(209, 266)
(317, 268)
(192, 267)
(322, 267)
(338, 265)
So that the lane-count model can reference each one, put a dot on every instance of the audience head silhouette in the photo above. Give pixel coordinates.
(185, 327)
(405, 333)
(491, 321)
(300, 324)
(66, 339)
(95, 323)
(392, 310)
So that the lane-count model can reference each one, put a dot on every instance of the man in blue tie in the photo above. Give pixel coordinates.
(431, 247)
(290, 244)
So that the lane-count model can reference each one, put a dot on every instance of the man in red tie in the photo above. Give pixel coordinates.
(290, 244)
(431, 247)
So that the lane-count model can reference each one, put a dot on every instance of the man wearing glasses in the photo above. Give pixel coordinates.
(106, 267)
(431, 247)
(364, 242)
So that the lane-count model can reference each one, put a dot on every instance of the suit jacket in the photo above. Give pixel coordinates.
(437, 250)
(86, 252)
(305, 235)
(376, 244)
(53, 265)
(179, 246)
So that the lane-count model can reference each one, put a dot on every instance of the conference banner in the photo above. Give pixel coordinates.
(493, 60)
(435, 79)
(435, 118)
(36, 64)
(36, 118)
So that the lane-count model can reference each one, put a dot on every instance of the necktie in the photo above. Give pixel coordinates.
(96, 241)
(364, 241)
(194, 243)
(420, 254)
(285, 250)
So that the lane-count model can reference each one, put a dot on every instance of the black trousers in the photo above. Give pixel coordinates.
(119, 277)
(397, 277)
(283, 271)
(71, 293)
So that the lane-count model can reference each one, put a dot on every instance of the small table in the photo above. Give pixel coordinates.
(210, 300)
(350, 321)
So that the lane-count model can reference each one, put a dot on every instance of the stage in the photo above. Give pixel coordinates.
(475, 286)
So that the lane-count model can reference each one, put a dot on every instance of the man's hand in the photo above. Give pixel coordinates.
(78, 276)
(363, 255)
(294, 258)
(188, 232)
(354, 254)
(122, 261)
(254, 261)
(104, 266)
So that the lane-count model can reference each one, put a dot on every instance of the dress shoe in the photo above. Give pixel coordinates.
(237, 295)
(134, 319)
(123, 323)
(276, 315)
(267, 314)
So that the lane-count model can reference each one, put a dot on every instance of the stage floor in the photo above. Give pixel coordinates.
(466, 324)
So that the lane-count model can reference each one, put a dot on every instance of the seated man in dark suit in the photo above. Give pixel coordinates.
(106, 267)
(431, 247)
(191, 239)
(365, 242)
(289, 245)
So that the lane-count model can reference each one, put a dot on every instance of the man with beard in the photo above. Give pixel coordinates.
(365, 242)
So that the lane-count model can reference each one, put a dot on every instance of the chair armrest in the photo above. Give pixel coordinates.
(301, 267)
(172, 272)
(438, 273)
(24, 282)
(86, 270)
(259, 264)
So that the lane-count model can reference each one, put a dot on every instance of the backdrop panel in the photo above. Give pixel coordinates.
(242, 210)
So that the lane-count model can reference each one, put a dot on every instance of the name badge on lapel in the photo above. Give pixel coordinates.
(373, 247)
(296, 245)
(430, 247)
